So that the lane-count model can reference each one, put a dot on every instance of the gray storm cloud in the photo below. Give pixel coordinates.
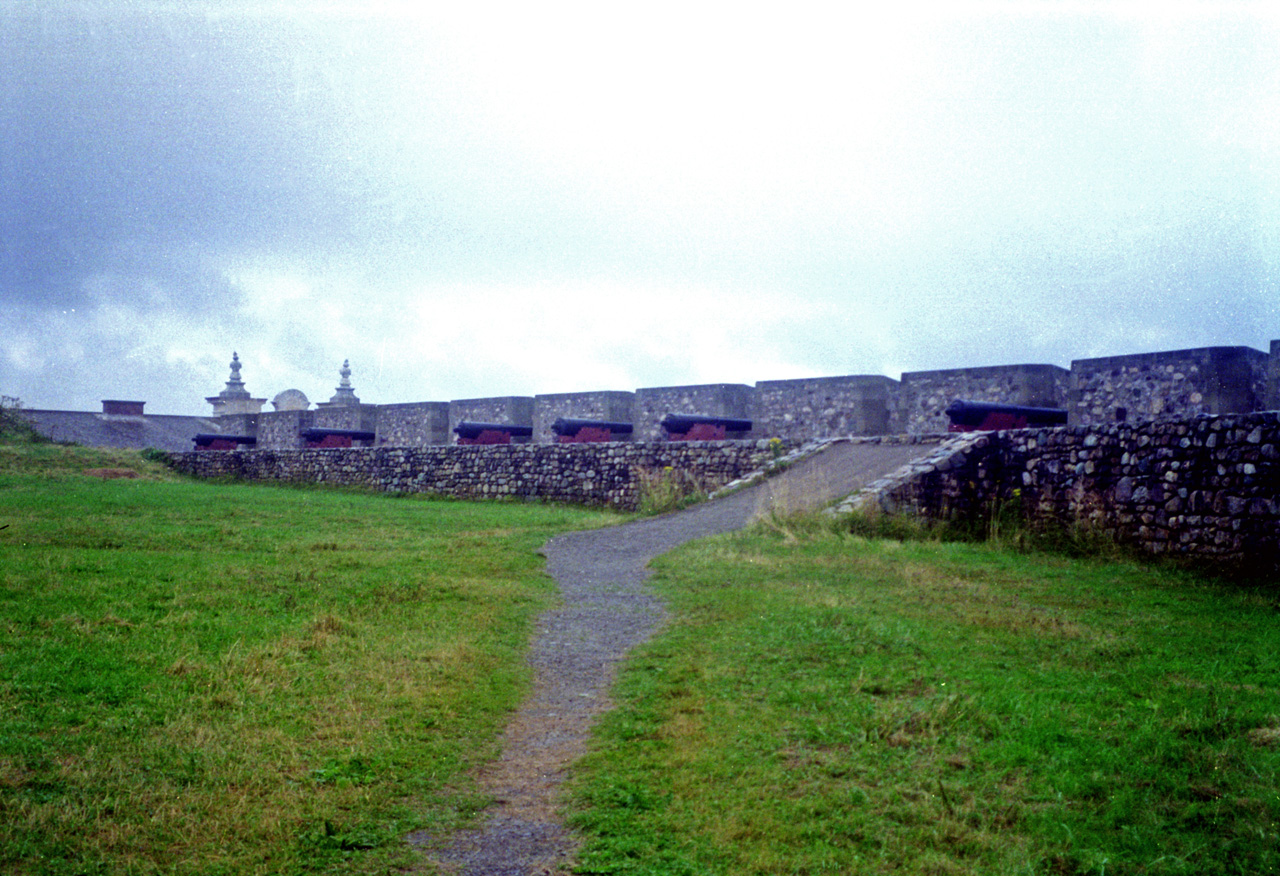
(514, 201)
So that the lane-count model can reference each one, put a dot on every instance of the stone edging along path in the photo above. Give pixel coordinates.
(607, 610)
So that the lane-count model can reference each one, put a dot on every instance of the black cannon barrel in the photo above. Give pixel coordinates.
(469, 429)
(318, 433)
(204, 439)
(571, 425)
(681, 423)
(974, 414)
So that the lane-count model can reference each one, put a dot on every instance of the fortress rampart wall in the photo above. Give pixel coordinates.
(1131, 389)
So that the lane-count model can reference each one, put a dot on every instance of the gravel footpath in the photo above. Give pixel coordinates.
(608, 610)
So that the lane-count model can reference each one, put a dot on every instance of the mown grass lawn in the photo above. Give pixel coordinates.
(825, 703)
(218, 678)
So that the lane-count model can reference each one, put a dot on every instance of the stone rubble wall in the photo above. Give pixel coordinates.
(605, 474)
(358, 416)
(516, 410)
(1149, 386)
(613, 407)
(1209, 380)
(236, 424)
(716, 399)
(821, 407)
(282, 430)
(1202, 488)
(414, 425)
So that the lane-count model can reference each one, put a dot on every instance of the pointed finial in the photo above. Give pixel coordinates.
(234, 398)
(235, 386)
(345, 395)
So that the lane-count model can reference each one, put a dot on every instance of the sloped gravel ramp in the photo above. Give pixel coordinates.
(607, 610)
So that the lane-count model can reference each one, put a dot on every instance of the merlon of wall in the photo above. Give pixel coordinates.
(820, 407)
(414, 424)
(1206, 380)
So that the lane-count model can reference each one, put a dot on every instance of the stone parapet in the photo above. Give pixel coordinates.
(581, 474)
(413, 425)
(1209, 380)
(923, 396)
(717, 399)
(1179, 383)
(515, 410)
(612, 406)
(282, 430)
(345, 416)
(822, 407)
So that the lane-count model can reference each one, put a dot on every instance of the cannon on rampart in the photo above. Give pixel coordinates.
(703, 427)
(216, 441)
(469, 432)
(322, 437)
(976, 416)
(571, 430)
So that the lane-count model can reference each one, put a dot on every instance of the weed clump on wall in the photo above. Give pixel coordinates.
(667, 489)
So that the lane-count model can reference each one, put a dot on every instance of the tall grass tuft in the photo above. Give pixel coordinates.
(667, 489)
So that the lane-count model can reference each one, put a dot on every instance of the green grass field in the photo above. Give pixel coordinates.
(825, 703)
(218, 678)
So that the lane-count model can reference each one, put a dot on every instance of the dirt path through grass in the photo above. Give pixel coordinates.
(608, 610)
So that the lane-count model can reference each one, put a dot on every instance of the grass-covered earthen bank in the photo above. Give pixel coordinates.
(211, 678)
(827, 703)
(221, 678)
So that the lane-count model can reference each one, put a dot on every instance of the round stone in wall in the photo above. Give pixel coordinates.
(291, 400)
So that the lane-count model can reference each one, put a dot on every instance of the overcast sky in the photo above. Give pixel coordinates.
(470, 199)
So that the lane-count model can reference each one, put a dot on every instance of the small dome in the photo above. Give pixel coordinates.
(291, 400)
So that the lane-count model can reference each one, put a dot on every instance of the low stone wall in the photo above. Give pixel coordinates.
(1205, 488)
(586, 474)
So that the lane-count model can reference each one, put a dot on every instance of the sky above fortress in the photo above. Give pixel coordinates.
(483, 199)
